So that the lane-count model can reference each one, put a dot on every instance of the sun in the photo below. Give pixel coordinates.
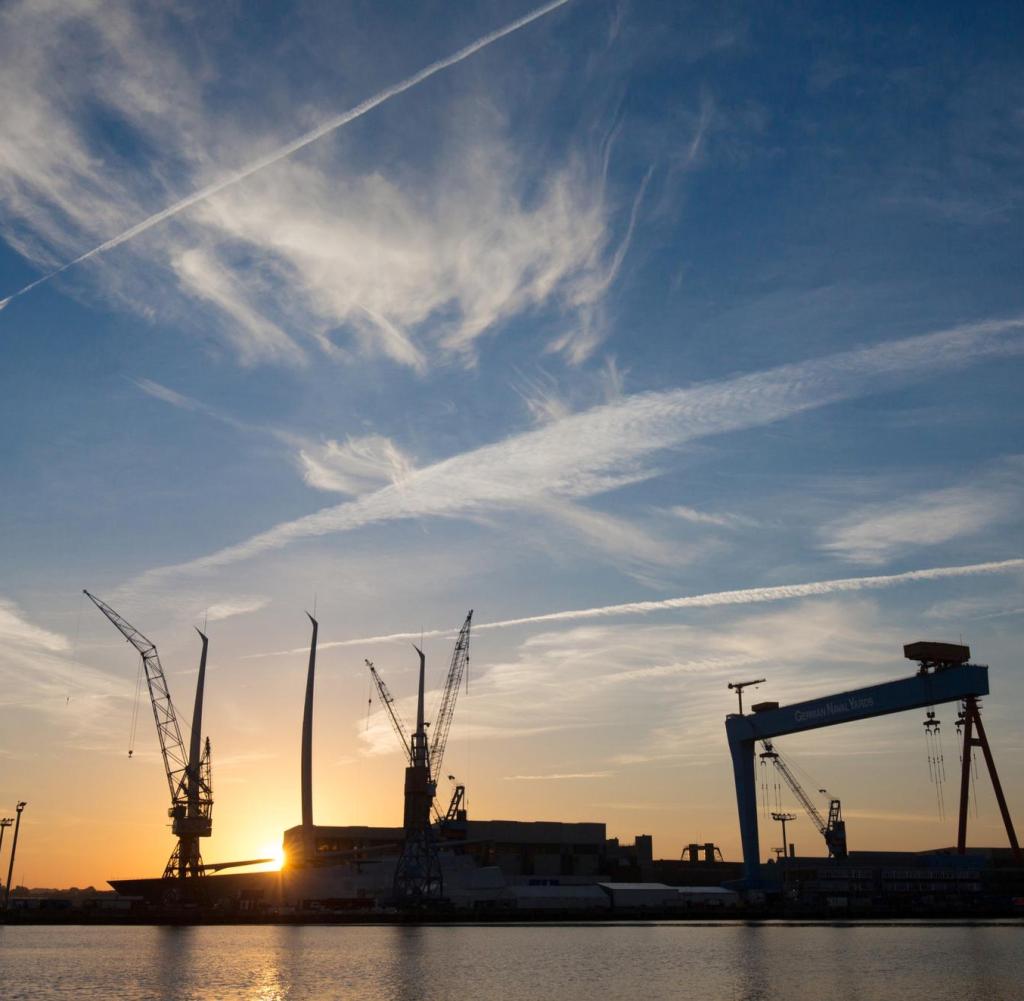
(274, 852)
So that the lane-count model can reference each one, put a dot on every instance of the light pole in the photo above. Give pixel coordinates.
(14, 847)
(5, 822)
(783, 818)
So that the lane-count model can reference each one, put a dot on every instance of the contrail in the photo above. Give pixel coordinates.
(744, 596)
(296, 144)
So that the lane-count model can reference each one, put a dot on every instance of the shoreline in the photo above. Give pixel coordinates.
(994, 917)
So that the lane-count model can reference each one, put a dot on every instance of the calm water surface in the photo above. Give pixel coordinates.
(649, 962)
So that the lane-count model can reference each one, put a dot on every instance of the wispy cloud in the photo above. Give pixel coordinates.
(355, 465)
(1008, 601)
(580, 341)
(542, 397)
(374, 268)
(17, 630)
(255, 337)
(171, 396)
(403, 262)
(695, 517)
(235, 606)
(547, 399)
(634, 549)
(331, 125)
(40, 672)
(875, 533)
(598, 450)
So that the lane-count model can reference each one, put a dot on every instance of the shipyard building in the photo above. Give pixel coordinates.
(517, 848)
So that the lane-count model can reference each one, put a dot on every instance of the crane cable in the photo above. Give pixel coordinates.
(135, 708)
(936, 762)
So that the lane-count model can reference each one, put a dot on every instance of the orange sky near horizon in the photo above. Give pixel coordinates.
(102, 816)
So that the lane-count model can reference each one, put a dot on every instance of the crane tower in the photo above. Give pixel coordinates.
(418, 878)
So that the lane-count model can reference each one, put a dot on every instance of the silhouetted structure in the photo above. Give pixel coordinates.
(188, 774)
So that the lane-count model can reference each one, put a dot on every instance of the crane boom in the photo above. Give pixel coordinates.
(389, 704)
(443, 722)
(798, 790)
(172, 748)
(833, 830)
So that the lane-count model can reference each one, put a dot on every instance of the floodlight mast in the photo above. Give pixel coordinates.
(14, 848)
(738, 686)
(5, 822)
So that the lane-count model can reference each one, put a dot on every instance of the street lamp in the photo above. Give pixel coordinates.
(5, 822)
(14, 847)
(783, 818)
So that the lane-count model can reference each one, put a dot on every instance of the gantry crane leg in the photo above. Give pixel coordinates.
(972, 720)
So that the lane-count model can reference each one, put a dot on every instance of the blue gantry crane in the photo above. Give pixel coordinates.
(944, 675)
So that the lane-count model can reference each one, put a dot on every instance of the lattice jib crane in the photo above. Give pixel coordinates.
(388, 701)
(832, 830)
(188, 773)
(446, 711)
(418, 874)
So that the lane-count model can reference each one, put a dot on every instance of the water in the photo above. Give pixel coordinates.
(650, 962)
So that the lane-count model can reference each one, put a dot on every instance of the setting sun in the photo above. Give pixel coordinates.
(274, 852)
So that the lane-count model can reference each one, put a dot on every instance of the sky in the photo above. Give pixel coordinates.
(700, 324)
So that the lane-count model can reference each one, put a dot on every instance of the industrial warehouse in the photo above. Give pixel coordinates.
(440, 861)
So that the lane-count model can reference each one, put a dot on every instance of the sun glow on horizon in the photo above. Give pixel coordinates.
(274, 852)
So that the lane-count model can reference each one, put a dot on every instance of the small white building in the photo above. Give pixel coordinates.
(586, 897)
(707, 896)
(662, 897)
(638, 895)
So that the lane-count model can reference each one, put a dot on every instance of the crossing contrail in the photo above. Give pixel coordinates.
(744, 596)
(296, 144)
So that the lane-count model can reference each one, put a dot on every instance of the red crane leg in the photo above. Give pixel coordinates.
(1000, 798)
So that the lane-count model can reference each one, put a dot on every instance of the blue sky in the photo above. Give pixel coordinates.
(636, 302)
